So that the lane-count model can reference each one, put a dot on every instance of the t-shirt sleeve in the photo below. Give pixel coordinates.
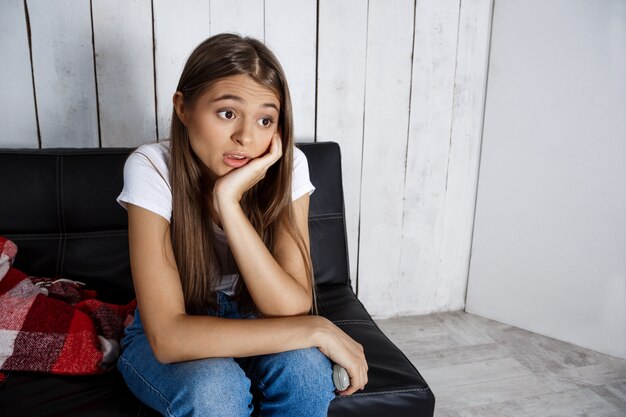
(146, 184)
(300, 183)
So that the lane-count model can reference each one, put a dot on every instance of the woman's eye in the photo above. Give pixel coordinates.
(265, 121)
(227, 114)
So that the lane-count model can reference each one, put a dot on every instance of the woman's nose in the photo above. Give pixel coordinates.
(243, 135)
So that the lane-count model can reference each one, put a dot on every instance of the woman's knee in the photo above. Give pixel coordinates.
(216, 386)
(302, 371)
(222, 389)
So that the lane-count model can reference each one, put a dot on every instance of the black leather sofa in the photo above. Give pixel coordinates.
(58, 206)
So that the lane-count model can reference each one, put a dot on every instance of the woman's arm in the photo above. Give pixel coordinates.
(277, 284)
(175, 336)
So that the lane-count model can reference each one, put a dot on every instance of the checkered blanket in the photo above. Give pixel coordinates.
(55, 325)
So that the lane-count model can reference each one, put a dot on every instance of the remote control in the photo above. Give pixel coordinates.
(340, 377)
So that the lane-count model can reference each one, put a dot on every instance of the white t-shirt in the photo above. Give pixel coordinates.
(147, 185)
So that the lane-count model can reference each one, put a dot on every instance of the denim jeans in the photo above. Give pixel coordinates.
(293, 383)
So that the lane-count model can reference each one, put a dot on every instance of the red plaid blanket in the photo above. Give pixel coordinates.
(55, 325)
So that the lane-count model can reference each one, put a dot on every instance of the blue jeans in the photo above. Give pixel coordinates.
(293, 383)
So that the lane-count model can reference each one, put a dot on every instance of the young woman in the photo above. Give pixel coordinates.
(219, 251)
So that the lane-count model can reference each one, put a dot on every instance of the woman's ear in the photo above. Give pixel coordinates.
(179, 106)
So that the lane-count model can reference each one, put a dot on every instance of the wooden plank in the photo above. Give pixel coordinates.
(125, 72)
(387, 88)
(420, 288)
(17, 103)
(477, 372)
(64, 72)
(581, 402)
(245, 17)
(468, 105)
(340, 103)
(614, 394)
(463, 386)
(173, 46)
(294, 42)
(600, 374)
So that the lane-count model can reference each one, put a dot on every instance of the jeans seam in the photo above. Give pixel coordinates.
(259, 382)
(150, 386)
(252, 377)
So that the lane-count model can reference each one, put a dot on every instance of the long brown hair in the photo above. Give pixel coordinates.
(267, 204)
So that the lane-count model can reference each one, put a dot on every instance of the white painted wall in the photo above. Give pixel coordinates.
(399, 85)
(549, 248)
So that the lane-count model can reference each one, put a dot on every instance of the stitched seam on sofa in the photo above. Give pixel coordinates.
(55, 236)
(95, 235)
(150, 386)
(345, 239)
(353, 322)
(344, 227)
(366, 394)
(323, 216)
(62, 175)
(56, 182)
(67, 152)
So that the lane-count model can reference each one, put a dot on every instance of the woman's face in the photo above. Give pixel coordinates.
(231, 123)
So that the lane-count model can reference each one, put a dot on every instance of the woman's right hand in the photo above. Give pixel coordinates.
(345, 351)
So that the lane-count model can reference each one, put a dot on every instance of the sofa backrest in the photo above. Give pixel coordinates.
(58, 206)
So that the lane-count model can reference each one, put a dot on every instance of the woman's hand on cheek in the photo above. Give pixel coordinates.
(230, 188)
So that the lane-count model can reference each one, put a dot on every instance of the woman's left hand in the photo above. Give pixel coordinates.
(230, 188)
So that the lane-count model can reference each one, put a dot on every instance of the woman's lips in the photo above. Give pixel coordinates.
(235, 160)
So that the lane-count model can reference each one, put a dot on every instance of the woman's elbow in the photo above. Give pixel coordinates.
(162, 341)
(159, 345)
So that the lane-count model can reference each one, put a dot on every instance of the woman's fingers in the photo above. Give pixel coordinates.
(344, 351)
(262, 163)
(356, 366)
(238, 181)
(275, 150)
(358, 379)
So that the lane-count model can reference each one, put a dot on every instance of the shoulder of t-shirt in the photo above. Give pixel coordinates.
(301, 182)
(146, 179)
(157, 152)
(299, 159)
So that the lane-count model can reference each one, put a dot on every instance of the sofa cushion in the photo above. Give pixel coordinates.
(60, 210)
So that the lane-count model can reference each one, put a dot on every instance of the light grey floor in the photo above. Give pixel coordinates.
(481, 368)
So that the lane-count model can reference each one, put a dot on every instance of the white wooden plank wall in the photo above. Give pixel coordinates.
(125, 71)
(18, 127)
(464, 153)
(245, 17)
(342, 37)
(294, 42)
(173, 45)
(66, 89)
(436, 26)
(385, 133)
(399, 85)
